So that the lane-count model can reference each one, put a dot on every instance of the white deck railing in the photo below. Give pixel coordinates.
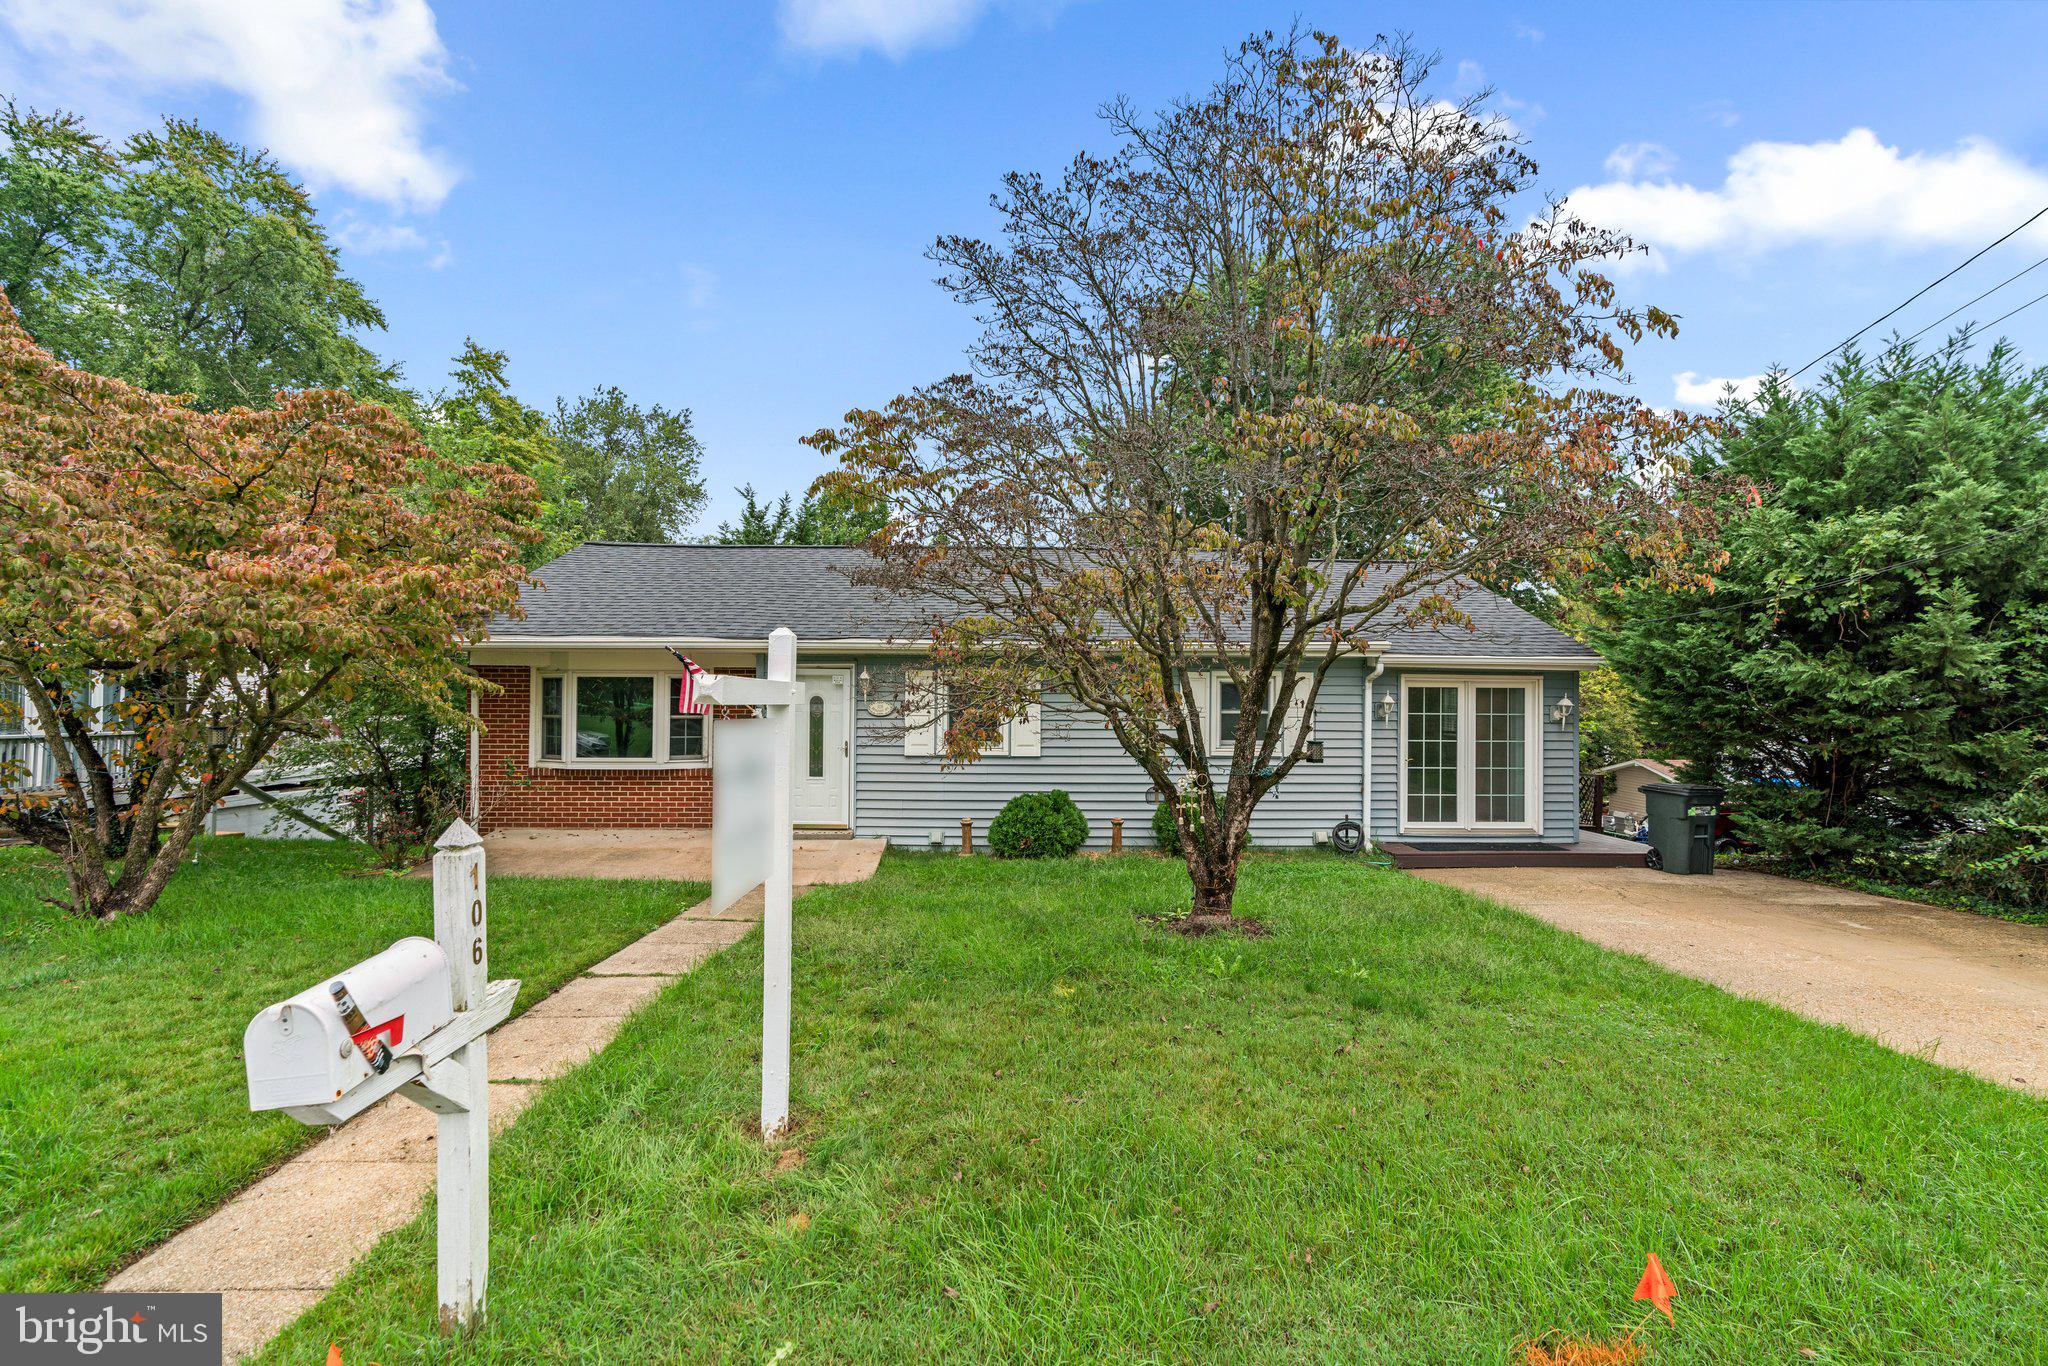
(37, 766)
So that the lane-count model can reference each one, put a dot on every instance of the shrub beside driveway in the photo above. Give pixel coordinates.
(123, 1110)
(1407, 1126)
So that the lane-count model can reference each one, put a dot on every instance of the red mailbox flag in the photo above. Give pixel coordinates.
(1656, 1287)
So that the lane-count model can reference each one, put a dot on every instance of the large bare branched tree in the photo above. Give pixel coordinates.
(1302, 359)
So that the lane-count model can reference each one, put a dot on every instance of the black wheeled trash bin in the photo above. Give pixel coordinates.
(1682, 825)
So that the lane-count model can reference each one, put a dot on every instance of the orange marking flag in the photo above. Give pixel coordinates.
(1656, 1287)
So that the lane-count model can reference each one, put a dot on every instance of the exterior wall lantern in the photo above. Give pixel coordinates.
(1387, 705)
(1562, 712)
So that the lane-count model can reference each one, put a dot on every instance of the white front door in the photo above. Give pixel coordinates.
(822, 761)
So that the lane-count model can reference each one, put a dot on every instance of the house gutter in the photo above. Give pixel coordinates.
(1379, 666)
(875, 643)
(475, 748)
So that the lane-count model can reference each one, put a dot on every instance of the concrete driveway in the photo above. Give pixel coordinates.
(670, 855)
(1966, 990)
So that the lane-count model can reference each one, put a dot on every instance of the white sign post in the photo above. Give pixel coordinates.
(411, 1020)
(740, 785)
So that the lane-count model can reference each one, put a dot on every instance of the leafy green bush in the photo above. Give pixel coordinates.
(1038, 825)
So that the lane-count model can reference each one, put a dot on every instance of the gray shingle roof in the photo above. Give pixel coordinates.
(741, 593)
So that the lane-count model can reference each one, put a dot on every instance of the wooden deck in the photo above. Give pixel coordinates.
(1593, 850)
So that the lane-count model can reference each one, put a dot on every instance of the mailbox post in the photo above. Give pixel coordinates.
(462, 1151)
(430, 1005)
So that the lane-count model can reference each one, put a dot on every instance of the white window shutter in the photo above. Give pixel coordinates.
(1204, 689)
(1024, 733)
(920, 713)
(1297, 716)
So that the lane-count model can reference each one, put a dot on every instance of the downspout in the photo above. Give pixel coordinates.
(1379, 666)
(475, 748)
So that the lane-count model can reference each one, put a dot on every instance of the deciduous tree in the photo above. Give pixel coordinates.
(231, 570)
(1313, 318)
(628, 473)
(179, 261)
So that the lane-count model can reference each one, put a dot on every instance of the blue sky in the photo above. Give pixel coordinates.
(724, 206)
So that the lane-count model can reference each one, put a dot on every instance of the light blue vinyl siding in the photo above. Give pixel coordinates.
(1560, 761)
(906, 799)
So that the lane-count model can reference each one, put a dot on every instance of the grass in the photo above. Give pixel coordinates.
(1409, 1126)
(123, 1109)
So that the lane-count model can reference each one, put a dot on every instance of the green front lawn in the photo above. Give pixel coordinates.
(1410, 1126)
(123, 1110)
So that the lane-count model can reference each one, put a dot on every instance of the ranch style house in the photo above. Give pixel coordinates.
(1447, 736)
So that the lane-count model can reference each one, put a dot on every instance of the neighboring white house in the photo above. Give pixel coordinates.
(27, 763)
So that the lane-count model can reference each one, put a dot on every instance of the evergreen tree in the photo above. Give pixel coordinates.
(1869, 670)
(827, 516)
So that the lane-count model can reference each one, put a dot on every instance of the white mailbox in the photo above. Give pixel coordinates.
(301, 1052)
(410, 1022)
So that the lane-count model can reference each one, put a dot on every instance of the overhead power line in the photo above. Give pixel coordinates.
(2021, 309)
(1980, 299)
(2038, 214)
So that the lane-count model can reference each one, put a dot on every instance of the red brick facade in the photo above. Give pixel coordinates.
(512, 792)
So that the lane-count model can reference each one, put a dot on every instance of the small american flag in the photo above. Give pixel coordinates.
(688, 703)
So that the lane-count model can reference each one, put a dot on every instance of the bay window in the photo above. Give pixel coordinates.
(614, 720)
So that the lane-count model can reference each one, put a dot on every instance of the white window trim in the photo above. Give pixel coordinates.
(664, 681)
(1218, 745)
(941, 725)
(1532, 775)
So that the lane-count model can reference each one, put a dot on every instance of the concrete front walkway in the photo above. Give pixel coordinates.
(1965, 990)
(674, 855)
(274, 1250)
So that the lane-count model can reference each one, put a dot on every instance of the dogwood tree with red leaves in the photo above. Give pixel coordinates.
(226, 572)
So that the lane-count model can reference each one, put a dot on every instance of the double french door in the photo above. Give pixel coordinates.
(1471, 755)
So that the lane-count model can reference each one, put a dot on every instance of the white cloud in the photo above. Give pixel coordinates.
(1469, 80)
(335, 87)
(1633, 159)
(390, 239)
(1853, 191)
(1694, 392)
(892, 27)
(1528, 33)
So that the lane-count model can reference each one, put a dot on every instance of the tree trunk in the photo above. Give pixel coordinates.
(1212, 859)
(1215, 888)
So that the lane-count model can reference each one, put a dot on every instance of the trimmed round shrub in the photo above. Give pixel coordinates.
(1164, 832)
(1038, 825)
